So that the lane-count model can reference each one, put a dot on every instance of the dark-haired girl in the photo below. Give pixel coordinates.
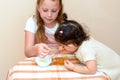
(94, 55)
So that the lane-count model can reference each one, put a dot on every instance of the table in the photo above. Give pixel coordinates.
(27, 69)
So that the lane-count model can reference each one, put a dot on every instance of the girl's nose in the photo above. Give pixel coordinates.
(49, 14)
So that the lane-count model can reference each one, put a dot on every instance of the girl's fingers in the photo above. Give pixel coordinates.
(67, 62)
(47, 47)
(69, 65)
(44, 50)
(42, 54)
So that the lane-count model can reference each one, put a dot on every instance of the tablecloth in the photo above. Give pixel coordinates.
(27, 69)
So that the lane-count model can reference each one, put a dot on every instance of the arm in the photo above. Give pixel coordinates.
(29, 42)
(88, 68)
(31, 49)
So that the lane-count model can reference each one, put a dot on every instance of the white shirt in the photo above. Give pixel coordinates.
(31, 26)
(107, 60)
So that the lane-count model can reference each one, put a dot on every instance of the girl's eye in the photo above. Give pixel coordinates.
(54, 10)
(45, 10)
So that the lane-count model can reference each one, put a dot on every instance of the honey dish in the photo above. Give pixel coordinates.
(43, 62)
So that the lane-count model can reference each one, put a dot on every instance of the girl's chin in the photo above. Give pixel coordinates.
(48, 21)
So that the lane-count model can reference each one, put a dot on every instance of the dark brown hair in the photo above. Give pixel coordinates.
(69, 32)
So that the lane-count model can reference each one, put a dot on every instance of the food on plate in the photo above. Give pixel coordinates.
(43, 62)
(59, 60)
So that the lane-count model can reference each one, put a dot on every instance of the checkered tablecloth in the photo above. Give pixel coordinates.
(27, 69)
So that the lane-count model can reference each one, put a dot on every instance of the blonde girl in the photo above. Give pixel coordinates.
(40, 28)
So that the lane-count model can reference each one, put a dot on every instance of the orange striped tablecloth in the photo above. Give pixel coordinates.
(27, 69)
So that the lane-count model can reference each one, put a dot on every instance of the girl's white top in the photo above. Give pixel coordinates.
(32, 27)
(107, 60)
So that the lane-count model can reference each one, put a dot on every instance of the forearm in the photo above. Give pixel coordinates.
(83, 69)
(30, 52)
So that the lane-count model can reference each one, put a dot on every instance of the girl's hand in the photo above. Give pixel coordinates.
(69, 65)
(42, 49)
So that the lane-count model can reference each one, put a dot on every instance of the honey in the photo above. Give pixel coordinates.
(58, 60)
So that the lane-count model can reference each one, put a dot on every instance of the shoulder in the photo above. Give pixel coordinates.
(31, 20)
(86, 52)
(87, 43)
(87, 47)
(31, 25)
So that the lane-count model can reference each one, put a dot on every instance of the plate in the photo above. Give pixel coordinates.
(43, 62)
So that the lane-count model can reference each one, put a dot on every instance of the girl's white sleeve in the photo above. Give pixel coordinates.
(31, 25)
(88, 53)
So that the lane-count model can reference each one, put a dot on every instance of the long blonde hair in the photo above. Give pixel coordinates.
(40, 34)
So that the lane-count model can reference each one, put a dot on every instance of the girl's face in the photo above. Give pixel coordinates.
(70, 48)
(49, 10)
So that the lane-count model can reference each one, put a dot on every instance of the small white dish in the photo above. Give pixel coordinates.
(43, 62)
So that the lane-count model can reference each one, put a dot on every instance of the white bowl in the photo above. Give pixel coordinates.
(43, 62)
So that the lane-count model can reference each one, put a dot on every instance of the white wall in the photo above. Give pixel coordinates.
(13, 15)
(101, 16)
